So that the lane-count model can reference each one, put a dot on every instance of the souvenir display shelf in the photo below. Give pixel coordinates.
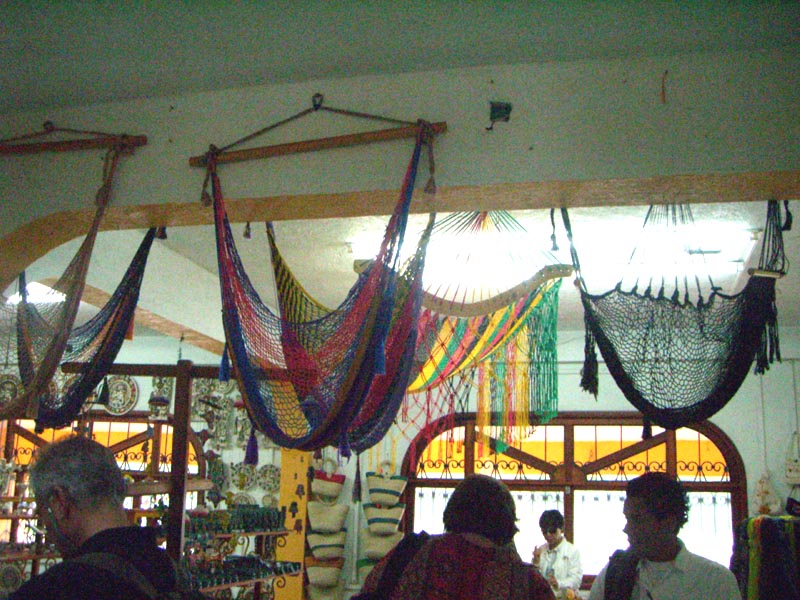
(218, 556)
(255, 571)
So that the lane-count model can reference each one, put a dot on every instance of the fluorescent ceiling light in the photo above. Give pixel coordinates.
(38, 294)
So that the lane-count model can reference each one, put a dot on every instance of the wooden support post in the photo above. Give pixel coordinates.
(180, 453)
(294, 499)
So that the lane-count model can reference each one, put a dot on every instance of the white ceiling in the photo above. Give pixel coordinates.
(81, 52)
(78, 52)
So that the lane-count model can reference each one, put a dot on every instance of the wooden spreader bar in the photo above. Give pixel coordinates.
(339, 141)
(128, 142)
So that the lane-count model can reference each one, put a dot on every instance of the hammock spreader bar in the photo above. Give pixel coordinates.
(403, 129)
(24, 144)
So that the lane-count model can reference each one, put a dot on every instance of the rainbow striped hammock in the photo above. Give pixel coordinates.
(310, 377)
(510, 353)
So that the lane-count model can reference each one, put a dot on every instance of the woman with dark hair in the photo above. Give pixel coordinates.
(475, 558)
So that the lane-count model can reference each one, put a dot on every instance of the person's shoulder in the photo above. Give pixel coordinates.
(570, 548)
(62, 581)
(69, 580)
(690, 558)
(710, 568)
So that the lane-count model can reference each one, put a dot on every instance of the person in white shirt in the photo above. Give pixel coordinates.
(558, 560)
(657, 566)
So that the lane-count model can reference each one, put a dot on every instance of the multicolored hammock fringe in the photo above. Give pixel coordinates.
(306, 373)
(42, 333)
(96, 344)
(680, 361)
(449, 344)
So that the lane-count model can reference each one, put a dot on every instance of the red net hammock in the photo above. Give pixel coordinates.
(306, 374)
(41, 334)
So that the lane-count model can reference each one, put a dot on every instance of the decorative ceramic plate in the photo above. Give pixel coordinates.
(243, 499)
(162, 386)
(269, 478)
(243, 476)
(225, 388)
(246, 594)
(10, 577)
(10, 388)
(123, 394)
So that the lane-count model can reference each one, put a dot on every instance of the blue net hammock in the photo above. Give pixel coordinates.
(305, 375)
(679, 361)
(95, 344)
(39, 334)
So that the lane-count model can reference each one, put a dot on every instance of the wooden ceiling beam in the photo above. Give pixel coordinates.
(22, 247)
(98, 298)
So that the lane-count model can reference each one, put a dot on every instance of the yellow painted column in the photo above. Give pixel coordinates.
(294, 496)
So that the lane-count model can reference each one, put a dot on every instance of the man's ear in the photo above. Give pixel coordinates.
(672, 523)
(58, 504)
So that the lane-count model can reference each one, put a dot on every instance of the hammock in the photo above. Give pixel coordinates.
(96, 344)
(305, 381)
(450, 344)
(386, 392)
(680, 361)
(42, 333)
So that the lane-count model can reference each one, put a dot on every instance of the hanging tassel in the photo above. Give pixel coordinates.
(251, 451)
(589, 381)
(357, 481)
(554, 248)
(345, 451)
(225, 365)
(647, 429)
(103, 395)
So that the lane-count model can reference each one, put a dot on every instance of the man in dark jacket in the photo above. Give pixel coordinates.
(79, 493)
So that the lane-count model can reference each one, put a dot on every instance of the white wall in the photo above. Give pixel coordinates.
(584, 120)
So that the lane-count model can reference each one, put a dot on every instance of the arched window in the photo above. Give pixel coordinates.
(580, 463)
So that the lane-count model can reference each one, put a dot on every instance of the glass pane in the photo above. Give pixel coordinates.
(699, 459)
(430, 502)
(709, 531)
(598, 527)
(443, 457)
(599, 522)
(429, 506)
(593, 442)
